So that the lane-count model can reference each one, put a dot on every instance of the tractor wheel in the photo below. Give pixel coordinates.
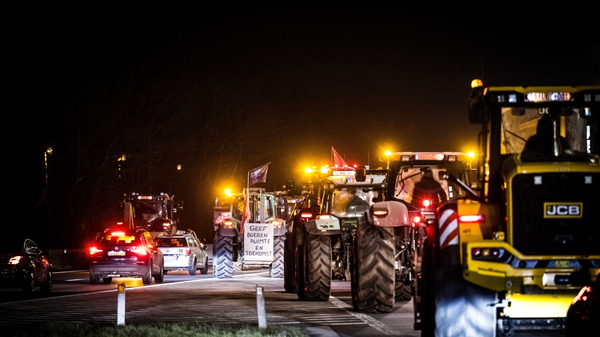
(299, 272)
(276, 269)
(223, 257)
(451, 305)
(317, 268)
(373, 277)
(289, 265)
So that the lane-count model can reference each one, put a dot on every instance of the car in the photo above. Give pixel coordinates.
(23, 264)
(183, 252)
(122, 252)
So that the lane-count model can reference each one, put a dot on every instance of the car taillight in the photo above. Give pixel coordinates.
(140, 250)
(119, 233)
(166, 225)
(426, 203)
(95, 250)
(15, 260)
(276, 223)
(417, 219)
(324, 217)
(487, 254)
(188, 251)
(228, 223)
(471, 218)
(307, 215)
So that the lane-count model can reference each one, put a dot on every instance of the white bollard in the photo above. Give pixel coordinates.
(260, 307)
(121, 305)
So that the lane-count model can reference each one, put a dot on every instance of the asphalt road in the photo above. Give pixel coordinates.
(202, 298)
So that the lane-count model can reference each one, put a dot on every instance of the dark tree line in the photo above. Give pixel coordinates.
(144, 127)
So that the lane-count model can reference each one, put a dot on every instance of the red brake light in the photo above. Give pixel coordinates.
(306, 215)
(140, 250)
(15, 260)
(188, 251)
(471, 218)
(324, 217)
(166, 225)
(119, 233)
(417, 219)
(426, 203)
(228, 223)
(95, 250)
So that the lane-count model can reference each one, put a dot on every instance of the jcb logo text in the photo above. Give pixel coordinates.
(563, 210)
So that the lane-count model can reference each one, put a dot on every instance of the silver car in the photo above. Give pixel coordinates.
(183, 252)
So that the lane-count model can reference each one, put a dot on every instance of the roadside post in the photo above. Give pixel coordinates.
(260, 307)
(121, 304)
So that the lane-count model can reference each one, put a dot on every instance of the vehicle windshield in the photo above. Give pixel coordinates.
(147, 211)
(417, 183)
(171, 242)
(235, 205)
(519, 124)
(352, 201)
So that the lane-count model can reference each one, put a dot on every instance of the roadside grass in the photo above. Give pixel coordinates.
(187, 329)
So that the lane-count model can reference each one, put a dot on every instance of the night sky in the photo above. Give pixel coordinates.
(401, 69)
(359, 77)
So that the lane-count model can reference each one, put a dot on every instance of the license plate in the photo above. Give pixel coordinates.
(170, 258)
(562, 264)
(116, 253)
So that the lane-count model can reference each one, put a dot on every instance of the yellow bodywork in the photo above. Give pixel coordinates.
(548, 299)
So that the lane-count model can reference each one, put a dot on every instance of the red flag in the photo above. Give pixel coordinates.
(258, 175)
(337, 159)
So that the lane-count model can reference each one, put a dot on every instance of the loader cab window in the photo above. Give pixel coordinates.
(519, 124)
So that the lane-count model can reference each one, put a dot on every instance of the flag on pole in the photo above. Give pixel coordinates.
(337, 159)
(258, 175)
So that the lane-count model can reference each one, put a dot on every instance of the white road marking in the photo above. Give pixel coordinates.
(370, 321)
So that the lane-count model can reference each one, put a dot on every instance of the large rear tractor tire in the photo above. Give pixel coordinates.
(373, 276)
(317, 268)
(223, 257)
(277, 269)
(289, 264)
(453, 306)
